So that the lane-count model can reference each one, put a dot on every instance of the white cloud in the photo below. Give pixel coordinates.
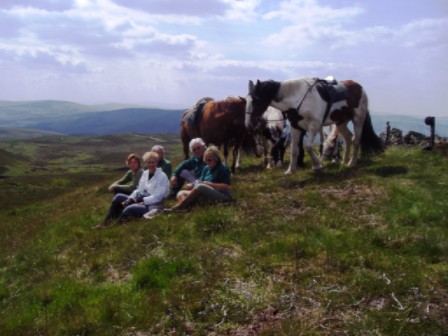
(177, 50)
(244, 10)
(176, 7)
(310, 23)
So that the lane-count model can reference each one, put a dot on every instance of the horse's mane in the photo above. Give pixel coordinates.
(289, 87)
(230, 101)
(267, 90)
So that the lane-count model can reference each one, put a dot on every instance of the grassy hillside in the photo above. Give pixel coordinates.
(355, 251)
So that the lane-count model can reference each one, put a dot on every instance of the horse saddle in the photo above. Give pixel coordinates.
(331, 91)
(194, 115)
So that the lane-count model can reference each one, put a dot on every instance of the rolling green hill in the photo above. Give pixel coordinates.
(135, 120)
(27, 113)
(346, 251)
(23, 133)
(78, 119)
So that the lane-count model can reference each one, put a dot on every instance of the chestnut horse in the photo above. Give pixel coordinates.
(221, 123)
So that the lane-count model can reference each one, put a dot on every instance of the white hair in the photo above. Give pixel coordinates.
(196, 141)
(157, 148)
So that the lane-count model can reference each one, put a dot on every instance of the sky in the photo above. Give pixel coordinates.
(170, 53)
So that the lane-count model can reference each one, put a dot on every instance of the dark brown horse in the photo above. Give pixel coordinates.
(221, 123)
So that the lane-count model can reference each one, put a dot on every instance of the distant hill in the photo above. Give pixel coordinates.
(78, 119)
(22, 133)
(28, 113)
(135, 120)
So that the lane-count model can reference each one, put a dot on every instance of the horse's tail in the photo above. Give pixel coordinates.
(370, 142)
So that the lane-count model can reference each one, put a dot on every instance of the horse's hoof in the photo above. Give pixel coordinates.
(288, 172)
(317, 169)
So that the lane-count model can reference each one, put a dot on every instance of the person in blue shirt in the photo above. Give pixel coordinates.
(212, 186)
(190, 169)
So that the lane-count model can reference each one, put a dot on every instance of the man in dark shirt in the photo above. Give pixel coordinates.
(190, 169)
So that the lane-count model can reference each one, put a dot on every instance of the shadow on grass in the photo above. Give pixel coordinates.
(252, 168)
(388, 171)
(319, 177)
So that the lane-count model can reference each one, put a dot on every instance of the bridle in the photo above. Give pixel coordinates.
(310, 87)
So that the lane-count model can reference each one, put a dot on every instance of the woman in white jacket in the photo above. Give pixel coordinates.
(150, 194)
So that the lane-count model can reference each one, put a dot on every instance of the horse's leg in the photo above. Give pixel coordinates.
(357, 129)
(185, 140)
(322, 139)
(235, 153)
(301, 156)
(330, 144)
(238, 158)
(278, 152)
(343, 129)
(295, 139)
(312, 132)
(267, 147)
(226, 153)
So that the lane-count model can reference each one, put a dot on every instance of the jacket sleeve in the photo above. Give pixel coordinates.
(183, 165)
(141, 186)
(125, 179)
(161, 191)
(168, 169)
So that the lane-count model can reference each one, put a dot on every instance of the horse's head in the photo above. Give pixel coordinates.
(331, 150)
(256, 104)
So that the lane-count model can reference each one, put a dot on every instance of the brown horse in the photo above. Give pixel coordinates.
(220, 123)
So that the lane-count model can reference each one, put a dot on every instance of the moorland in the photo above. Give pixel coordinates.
(78, 119)
(346, 251)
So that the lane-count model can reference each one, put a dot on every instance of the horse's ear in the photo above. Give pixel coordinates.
(251, 87)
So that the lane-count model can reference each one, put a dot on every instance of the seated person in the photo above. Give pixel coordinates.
(128, 183)
(163, 163)
(150, 194)
(212, 186)
(191, 168)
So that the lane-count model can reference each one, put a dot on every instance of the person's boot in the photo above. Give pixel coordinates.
(104, 224)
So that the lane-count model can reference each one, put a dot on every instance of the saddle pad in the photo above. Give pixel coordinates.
(195, 114)
(332, 93)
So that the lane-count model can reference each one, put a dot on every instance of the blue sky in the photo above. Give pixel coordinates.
(170, 53)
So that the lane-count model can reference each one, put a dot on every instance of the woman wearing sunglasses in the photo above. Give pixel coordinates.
(213, 185)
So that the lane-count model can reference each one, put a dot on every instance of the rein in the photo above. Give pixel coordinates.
(310, 87)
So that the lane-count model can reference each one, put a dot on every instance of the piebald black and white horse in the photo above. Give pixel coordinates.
(308, 109)
(331, 150)
(273, 125)
(276, 137)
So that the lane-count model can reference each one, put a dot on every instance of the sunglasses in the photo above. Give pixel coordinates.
(195, 149)
(209, 160)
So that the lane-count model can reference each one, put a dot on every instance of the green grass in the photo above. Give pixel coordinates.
(357, 251)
